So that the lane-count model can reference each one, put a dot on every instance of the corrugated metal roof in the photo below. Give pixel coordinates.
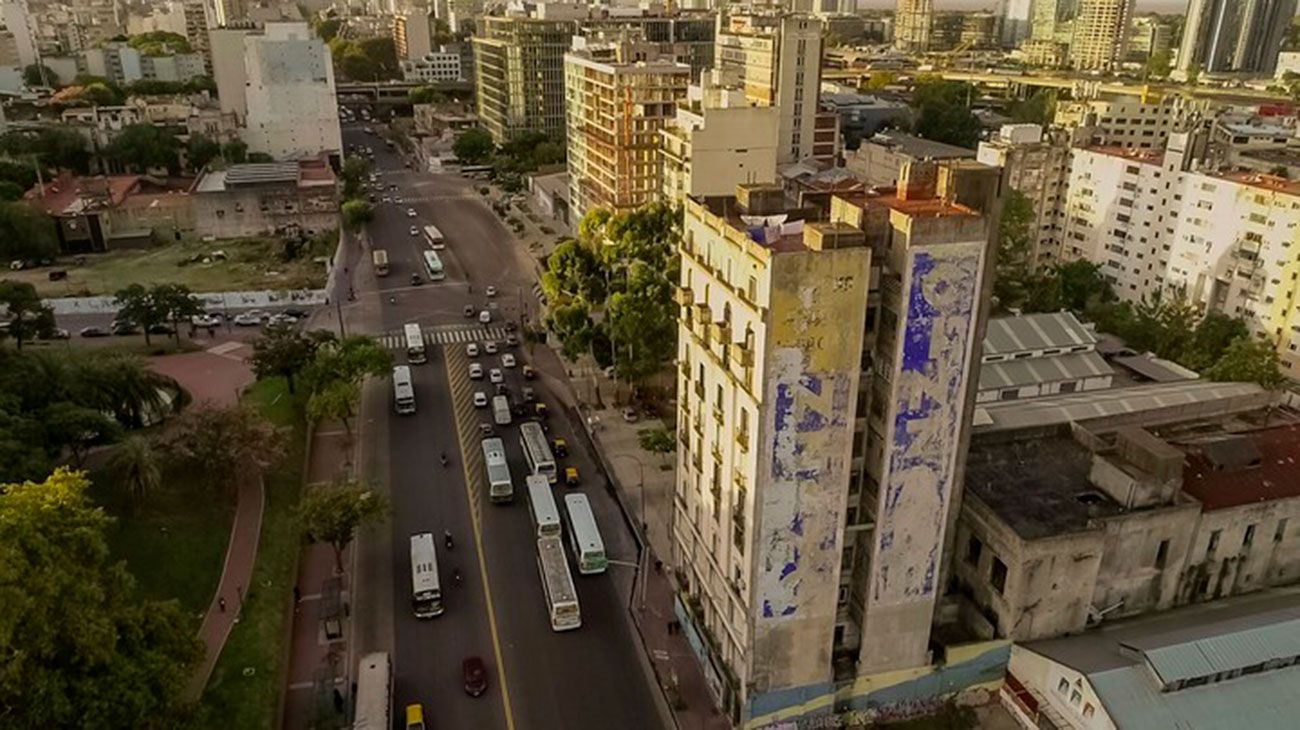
(1014, 373)
(1028, 332)
(1265, 701)
(1224, 652)
(1108, 403)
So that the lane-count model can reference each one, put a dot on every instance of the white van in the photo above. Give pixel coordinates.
(475, 371)
(485, 316)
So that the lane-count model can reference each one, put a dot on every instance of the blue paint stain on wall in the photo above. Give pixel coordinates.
(790, 566)
(811, 422)
(767, 608)
(784, 406)
(807, 475)
(796, 524)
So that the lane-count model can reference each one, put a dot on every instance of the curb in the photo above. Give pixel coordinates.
(287, 640)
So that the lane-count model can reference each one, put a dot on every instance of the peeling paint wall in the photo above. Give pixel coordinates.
(939, 304)
(811, 370)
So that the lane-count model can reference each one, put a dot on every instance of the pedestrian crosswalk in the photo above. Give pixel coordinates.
(444, 335)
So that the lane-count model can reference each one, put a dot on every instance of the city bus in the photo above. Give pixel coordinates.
(403, 390)
(426, 591)
(537, 451)
(546, 516)
(434, 265)
(414, 343)
(584, 537)
(500, 487)
(501, 410)
(380, 259)
(434, 235)
(374, 698)
(557, 585)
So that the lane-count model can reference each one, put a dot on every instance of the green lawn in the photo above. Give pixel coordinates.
(174, 544)
(251, 264)
(237, 697)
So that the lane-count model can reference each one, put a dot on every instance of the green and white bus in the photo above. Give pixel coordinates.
(546, 516)
(557, 585)
(584, 537)
(414, 343)
(434, 266)
(500, 487)
(537, 451)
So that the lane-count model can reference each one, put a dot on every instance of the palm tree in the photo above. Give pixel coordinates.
(134, 464)
(124, 386)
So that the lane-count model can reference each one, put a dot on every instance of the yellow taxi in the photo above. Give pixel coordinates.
(571, 476)
(415, 717)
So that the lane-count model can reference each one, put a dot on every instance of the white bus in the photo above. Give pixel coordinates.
(374, 698)
(434, 235)
(546, 516)
(380, 259)
(500, 487)
(414, 343)
(403, 390)
(537, 451)
(426, 590)
(557, 585)
(434, 265)
(501, 410)
(584, 537)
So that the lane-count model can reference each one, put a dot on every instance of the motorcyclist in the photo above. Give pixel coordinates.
(446, 539)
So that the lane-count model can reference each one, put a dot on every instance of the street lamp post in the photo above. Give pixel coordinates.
(644, 519)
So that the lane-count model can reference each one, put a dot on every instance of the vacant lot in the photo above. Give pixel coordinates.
(248, 265)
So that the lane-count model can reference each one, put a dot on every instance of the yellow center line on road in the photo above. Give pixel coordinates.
(457, 360)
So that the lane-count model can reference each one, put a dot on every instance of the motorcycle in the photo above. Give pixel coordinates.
(447, 541)
(455, 576)
(443, 458)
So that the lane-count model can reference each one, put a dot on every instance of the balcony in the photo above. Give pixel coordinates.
(684, 296)
(718, 331)
(718, 415)
(716, 450)
(742, 440)
(741, 355)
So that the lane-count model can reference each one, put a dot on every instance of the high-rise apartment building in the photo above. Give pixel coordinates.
(1053, 20)
(618, 97)
(18, 22)
(1100, 33)
(1037, 166)
(717, 140)
(826, 390)
(1150, 35)
(280, 84)
(412, 35)
(777, 61)
(688, 37)
(1015, 21)
(1235, 35)
(519, 75)
(912, 20)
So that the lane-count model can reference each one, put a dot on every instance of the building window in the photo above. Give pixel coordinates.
(1162, 554)
(1009, 394)
(1069, 387)
(1280, 533)
(1075, 697)
(973, 550)
(1213, 545)
(1088, 709)
(998, 575)
(1249, 537)
(1063, 686)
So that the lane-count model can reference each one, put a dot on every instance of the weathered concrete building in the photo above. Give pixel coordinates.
(266, 198)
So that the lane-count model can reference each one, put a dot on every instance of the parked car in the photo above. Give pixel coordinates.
(161, 328)
(298, 312)
(58, 333)
(415, 279)
(124, 327)
(485, 430)
(281, 320)
(476, 371)
(476, 676)
(507, 360)
(248, 319)
(495, 376)
(630, 415)
(94, 332)
(413, 231)
(205, 320)
(480, 399)
(510, 326)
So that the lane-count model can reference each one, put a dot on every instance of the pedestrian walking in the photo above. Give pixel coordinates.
(221, 604)
(338, 700)
(297, 595)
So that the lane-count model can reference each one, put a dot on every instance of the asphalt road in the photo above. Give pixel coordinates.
(589, 678)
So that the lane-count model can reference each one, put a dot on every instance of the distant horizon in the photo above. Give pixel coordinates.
(1146, 6)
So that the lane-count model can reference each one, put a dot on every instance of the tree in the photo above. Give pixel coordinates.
(368, 59)
(235, 152)
(29, 317)
(145, 147)
(426, 95)
(225, 445)
(1015, 250)
(122, 385)
(1193, 74)
(287, 352)
(351, 359)
(335, 400)
(77, 427)
(35, 75)
(659, 441)
(56, 147)
(177, 304)
(21, 174)
(136, 304)
(574, 271)
(333, 514)
(80, 648)
(1210, 339)
(943, 112)
(356, 213)
(1039, 108)
(26, 234)
(572, 324)
(1082, 285)
(159, 43)
(202, 150)
(135, 467)
(9, 191)
(1158, 64)
(643, 323)
(1249, 359)
(354, 174)
(474, 146)
(878, 80)
(327, 29)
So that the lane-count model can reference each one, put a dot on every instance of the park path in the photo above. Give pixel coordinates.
(216, 377)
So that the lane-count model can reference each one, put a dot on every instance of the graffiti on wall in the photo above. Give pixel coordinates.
(811, 376)
(941, 287)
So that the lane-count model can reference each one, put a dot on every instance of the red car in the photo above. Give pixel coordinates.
(476, 677)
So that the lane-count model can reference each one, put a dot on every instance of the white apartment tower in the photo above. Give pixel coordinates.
(1101, 32)
(280, 85)
(912, 21)
(826, 381)
(776, 59)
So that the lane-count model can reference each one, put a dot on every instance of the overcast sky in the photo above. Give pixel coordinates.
(1159, 6)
